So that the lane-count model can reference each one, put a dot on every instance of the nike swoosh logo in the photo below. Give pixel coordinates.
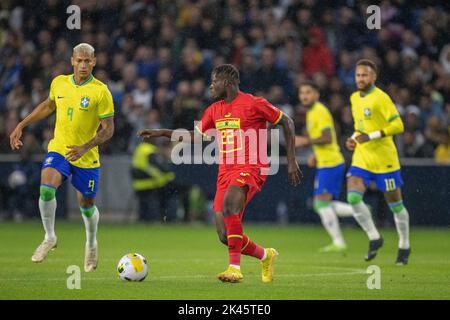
(59, 97)
(227, 115)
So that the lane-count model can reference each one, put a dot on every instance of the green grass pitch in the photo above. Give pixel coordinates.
(184, 260)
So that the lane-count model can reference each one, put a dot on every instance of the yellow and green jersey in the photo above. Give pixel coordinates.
(79, 110)
(373, 112)
(318, 119)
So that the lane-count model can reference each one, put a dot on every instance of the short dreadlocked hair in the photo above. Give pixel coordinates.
(229, 71)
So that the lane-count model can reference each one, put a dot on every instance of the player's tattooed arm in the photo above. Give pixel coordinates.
(43, 110)
(104, 134)
(294, 171)
(325, 138)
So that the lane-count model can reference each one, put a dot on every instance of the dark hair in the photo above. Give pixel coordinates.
(311, 84)
(368, 63)
(229, 71)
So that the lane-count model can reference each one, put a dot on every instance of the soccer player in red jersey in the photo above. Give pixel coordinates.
(239, 121)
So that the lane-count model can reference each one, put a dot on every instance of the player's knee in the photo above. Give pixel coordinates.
(47, 193)
(354, 197)
(396, 207)
(229, 208)
(86, 202)
(319, 204)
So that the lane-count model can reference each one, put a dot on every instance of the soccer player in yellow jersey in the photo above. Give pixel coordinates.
(330, 164)
(82, 104)
(375, 158)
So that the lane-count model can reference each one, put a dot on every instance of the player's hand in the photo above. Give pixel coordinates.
(301, 141)
(350, 144)
(312, 162)
(150, 133)
(363, 137)
(294, 173)
(14, 138)
(75, 152)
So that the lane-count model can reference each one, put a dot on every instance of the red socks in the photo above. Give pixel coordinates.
(249, 248)
(233, 224)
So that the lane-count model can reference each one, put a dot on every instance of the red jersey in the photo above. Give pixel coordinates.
(240, 128)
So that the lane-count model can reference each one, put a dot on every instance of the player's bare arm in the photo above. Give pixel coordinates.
(294, 171)
(43, 110)
(325, 138)
(104, 134)
(182, 135)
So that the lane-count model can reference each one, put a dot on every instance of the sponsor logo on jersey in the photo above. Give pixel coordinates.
(230, 123)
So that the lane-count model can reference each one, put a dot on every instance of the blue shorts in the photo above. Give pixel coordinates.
(329, 180)
(385, 181)
(84, 180)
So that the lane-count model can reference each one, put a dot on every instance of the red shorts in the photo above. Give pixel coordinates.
(239, 177)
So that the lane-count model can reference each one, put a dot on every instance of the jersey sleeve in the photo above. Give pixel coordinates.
(267, 111)
(206, 123)
(391, 115)
(324, 120)
(388, 108)
(352, 109)
(105, 104)
(51, 95)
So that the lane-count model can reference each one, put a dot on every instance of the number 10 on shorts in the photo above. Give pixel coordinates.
(390, 184)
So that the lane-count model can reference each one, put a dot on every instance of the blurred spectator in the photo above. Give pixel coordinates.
(158, 57)
(442, 152)
(317, 56)
(270, 74)
(142, 94)
(151, 174)
(414, 145)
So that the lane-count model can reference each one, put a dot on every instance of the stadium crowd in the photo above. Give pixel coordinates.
(156, 58)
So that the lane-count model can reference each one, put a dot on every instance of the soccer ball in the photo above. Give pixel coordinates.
(132, 267)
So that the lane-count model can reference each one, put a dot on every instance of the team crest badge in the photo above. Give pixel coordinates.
(367, 112)
(84, 103)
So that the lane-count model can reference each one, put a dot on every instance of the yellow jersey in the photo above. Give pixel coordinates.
(79, 110)
(373, 112)
(319, 118)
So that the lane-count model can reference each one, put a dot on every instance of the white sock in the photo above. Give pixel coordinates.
(364, 218)
(235, 266)
(402, 224)
(342, 209)
(91, 228)
(48, 210)
(331, 224)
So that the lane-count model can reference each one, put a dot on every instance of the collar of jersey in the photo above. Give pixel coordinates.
(72, 79)
(372, 89)
(314, 105)
(231, 102)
